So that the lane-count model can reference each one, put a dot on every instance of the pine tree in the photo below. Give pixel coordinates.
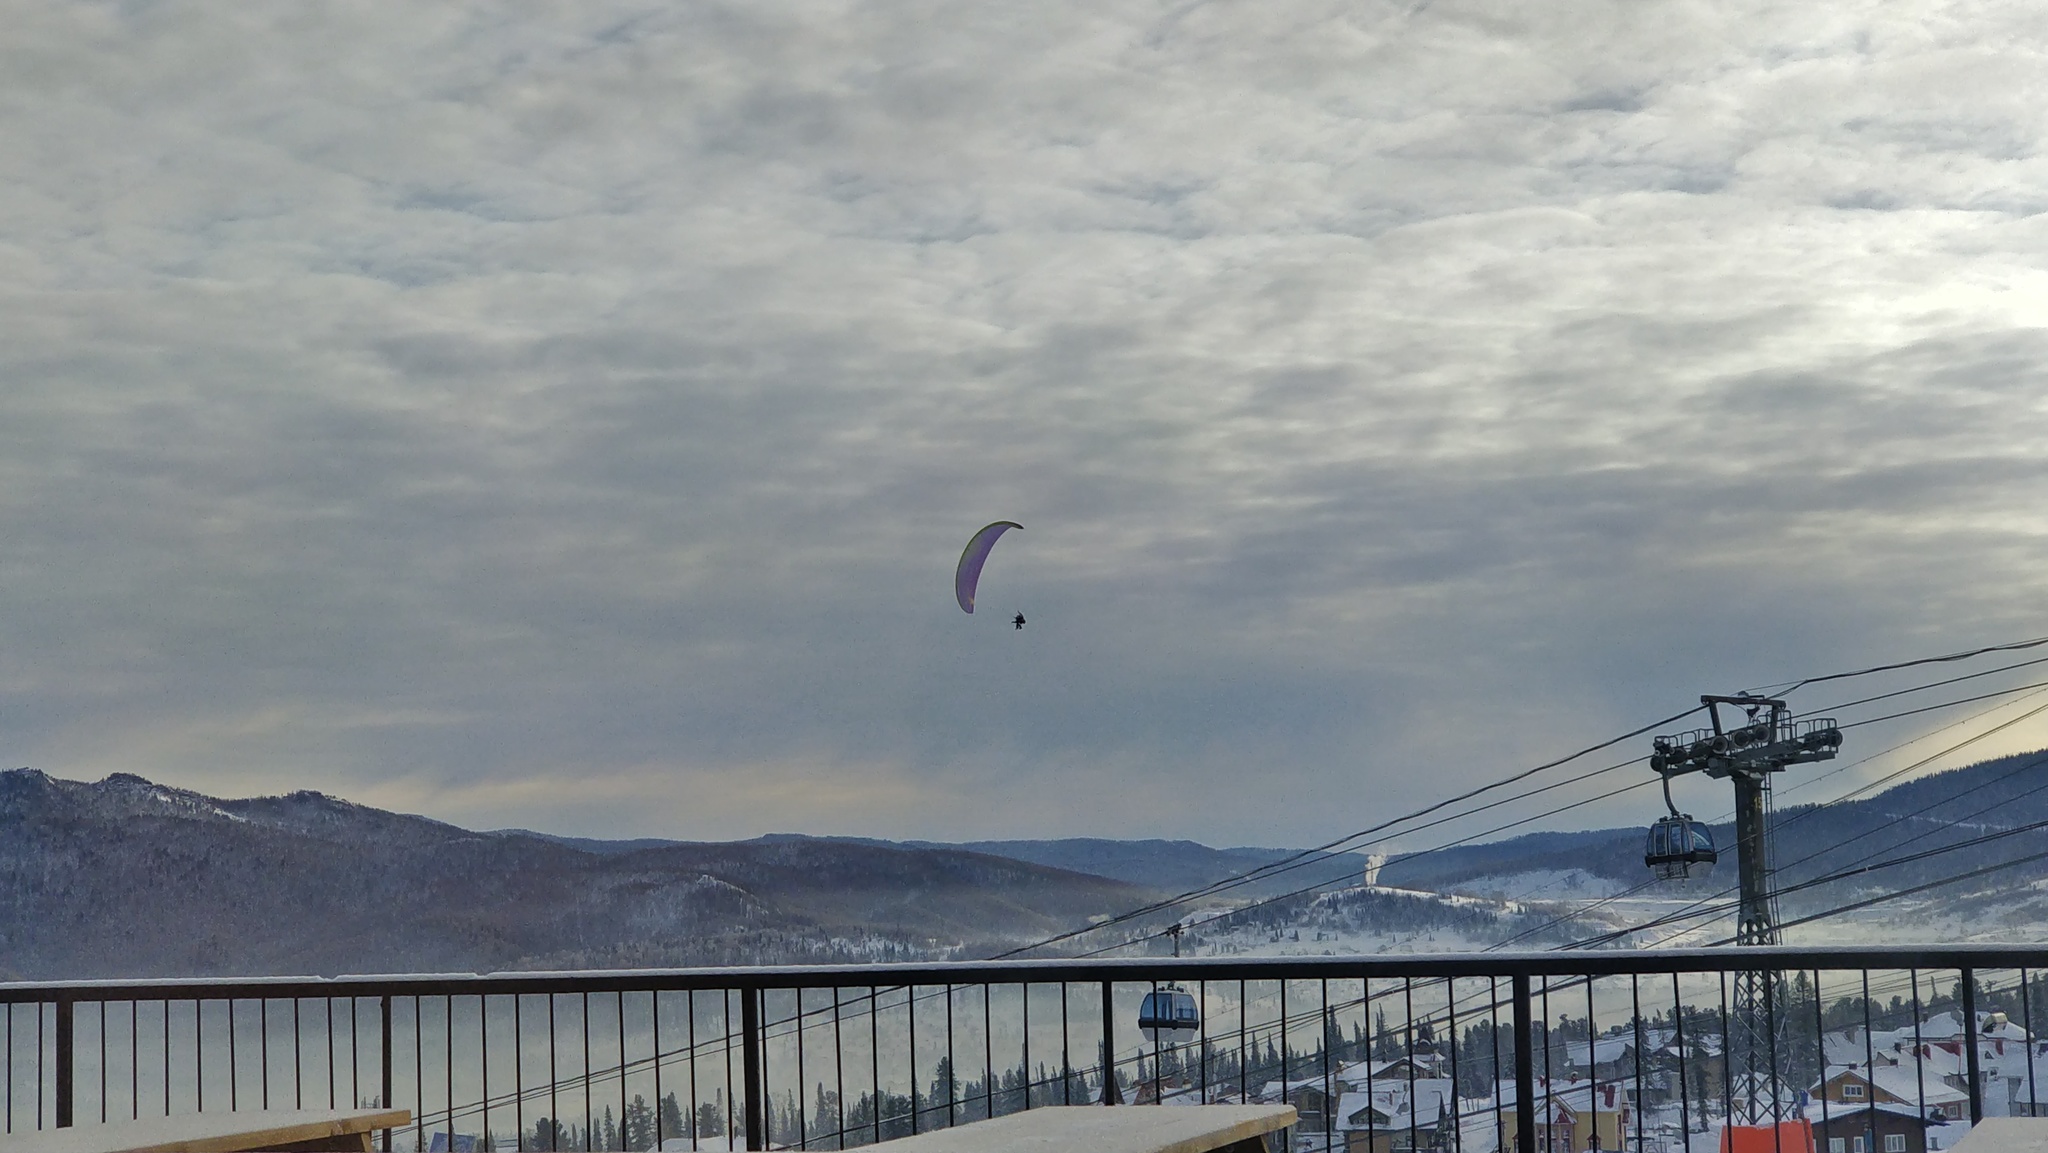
(636, 1129)
(860, 1119)
(825, 1114)
(944, 1090)
(1385, 1046)
(710, 1120)
(673, 1123)
(792, 1126)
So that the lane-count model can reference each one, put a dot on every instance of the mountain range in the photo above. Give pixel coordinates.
(124, 877)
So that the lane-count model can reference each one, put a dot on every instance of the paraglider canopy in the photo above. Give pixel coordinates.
(968, 574)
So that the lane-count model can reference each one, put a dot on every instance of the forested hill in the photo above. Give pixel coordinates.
(1938, 811)
(123, 877)
(1175, 866)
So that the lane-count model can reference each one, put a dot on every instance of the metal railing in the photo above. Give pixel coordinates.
(1458, 1053)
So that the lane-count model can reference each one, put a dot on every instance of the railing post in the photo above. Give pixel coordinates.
(1970, 1044)
(1525, 1069)
(750, 1053)
(66, 1058)
(1112, 1094)
(384, 1043)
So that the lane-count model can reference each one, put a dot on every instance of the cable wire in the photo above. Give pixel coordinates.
(1702, 903)
(1305, 854)
(2013, 646)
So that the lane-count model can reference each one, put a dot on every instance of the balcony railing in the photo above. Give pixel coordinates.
(1461, 1053)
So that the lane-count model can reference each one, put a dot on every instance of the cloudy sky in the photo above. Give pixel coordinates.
(569, 416)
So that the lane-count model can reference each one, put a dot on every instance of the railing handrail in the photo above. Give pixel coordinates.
(1533, 979)
(1593, 963)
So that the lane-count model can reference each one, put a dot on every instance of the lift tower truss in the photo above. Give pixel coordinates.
(1764, 743)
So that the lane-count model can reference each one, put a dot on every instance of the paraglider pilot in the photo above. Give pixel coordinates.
(1018, 620)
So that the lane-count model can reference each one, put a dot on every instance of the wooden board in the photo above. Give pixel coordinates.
(1107, 1129)
(299, 1130)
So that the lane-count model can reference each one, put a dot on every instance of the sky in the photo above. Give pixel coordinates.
(569, 416)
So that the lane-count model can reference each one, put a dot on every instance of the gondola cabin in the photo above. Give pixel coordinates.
(1677, 846)
(1169, 1013)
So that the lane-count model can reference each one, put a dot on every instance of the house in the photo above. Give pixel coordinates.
(1358, 1074)
(1571, 1116)
(1389, 1118)
(1608, 1058)
(1881, 1128)
(1365, 1127)
(1421, 1114)
(2012, 1067)
(2012, 1081)
(1946, 1030)
(1859, 1046)
(1919, 1088)
(1310, 1097)
(1698, 1058)
(2009, 1063)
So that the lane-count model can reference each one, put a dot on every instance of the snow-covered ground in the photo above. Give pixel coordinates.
(1543, 909)
(1314, 942)
(1541, 885)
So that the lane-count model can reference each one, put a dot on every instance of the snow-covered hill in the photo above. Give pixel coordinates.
(126, 877)
(122, 877)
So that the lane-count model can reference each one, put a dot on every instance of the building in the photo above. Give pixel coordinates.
(1859, 1046)
(1361, 1074)
(1913, 1088)
(1310, 1096)
(1398, 1116)
(1364, 1126)
(1611, 1058)
(1571, 1116)
(1880, 1128)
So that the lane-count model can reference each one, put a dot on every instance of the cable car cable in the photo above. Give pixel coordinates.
(1295, 860)
(1809, 811)
(1704, 907)
(1552, 812)
(1305, 854)
(1893, 896)
(1725, 906)
(1420, 852)
(1867, 721)
(2013, 646)
(1800, 814)
(1831, 878)
(1603, 796)
(1306, 889)
(1925, 687)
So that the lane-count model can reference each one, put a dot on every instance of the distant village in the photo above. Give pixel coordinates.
(1897, 1090)
(1902, 1090)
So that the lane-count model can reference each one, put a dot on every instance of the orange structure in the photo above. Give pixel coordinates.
(1784, 1137)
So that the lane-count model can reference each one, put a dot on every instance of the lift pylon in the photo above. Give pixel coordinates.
(1748, 754)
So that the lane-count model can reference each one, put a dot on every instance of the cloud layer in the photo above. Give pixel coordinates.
(570, 418)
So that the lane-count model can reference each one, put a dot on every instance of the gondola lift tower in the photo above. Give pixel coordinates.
(1764, 743)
